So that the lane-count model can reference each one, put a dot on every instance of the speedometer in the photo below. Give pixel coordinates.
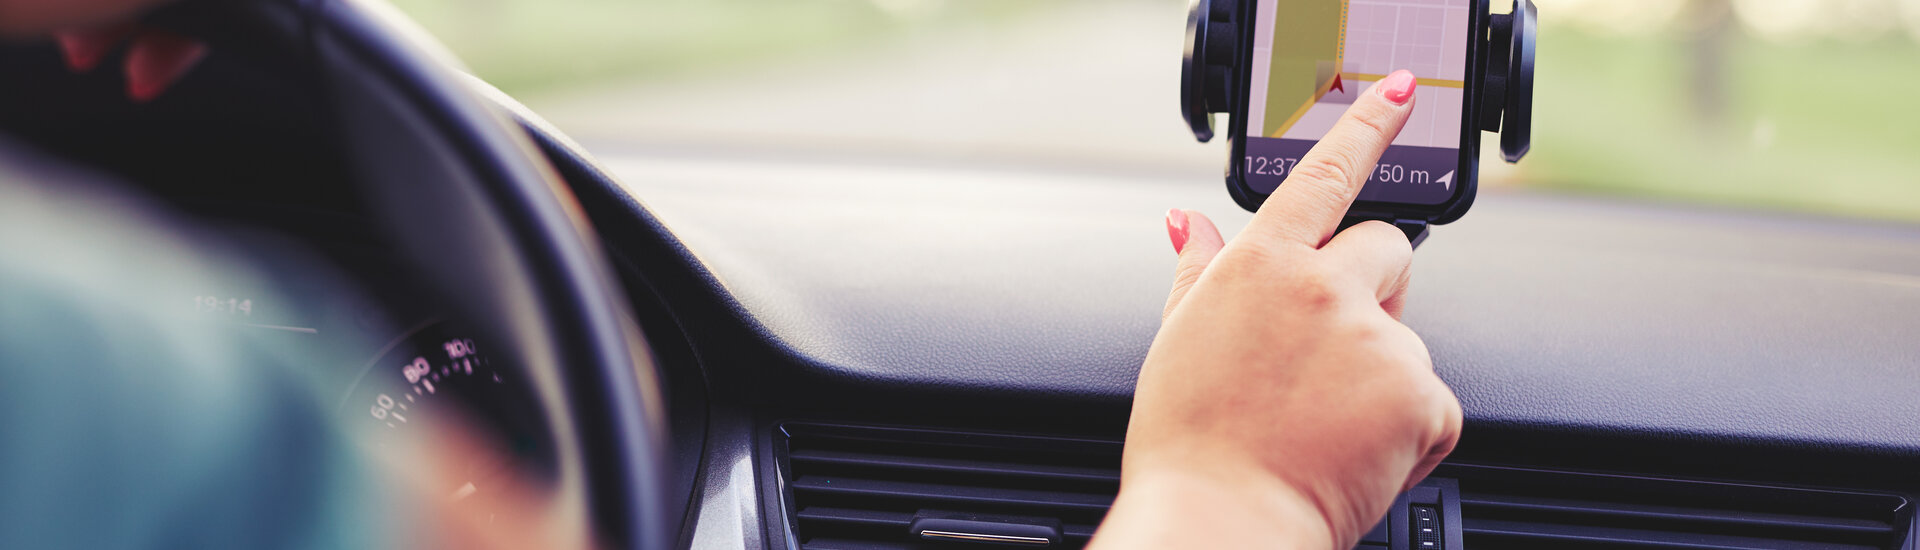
(437, 383)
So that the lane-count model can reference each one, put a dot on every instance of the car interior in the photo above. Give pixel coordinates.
(798, 353)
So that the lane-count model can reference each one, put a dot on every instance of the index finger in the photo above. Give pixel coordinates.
(1308, 206)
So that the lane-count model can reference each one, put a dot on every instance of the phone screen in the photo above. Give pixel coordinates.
(1312, 58)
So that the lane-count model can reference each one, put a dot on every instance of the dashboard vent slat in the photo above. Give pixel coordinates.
(929, 494)
(876, 518)
(859, 488)
(1732, 519)
(1533, 535)
(930, 464)
(1512, 508)
(825, 543)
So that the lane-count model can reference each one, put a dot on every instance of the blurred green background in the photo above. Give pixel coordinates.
(526, 46)
(1808, 118)
(1795, 105)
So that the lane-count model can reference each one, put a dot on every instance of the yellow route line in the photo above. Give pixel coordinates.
(1423, 81)
(1360, 77)
(1340, 50)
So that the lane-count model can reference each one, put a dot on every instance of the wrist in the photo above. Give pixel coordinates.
(1221, 508)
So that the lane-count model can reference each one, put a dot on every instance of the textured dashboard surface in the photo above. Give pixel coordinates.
(1568, 312)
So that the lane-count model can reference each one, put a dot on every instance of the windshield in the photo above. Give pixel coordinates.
(1788, 105)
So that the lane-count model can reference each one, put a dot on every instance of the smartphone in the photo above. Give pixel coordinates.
(1306, 61)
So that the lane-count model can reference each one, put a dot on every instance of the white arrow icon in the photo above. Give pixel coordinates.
(1446, 181)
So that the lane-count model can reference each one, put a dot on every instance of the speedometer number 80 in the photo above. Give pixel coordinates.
(416, 370)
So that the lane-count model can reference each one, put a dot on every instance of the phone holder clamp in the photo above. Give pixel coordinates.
(1506, 98)
(1206, 68)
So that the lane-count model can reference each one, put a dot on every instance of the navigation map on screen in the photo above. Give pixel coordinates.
(1311, 58)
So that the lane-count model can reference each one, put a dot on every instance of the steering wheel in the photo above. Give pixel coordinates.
(298, 97)
(467, 194)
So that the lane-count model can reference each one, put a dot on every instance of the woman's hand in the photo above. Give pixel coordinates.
(1283, 403)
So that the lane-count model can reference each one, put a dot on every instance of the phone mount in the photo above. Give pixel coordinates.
(1207, 71)
(1507, 95)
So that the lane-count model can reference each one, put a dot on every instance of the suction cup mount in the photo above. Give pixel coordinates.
(1506, 98)
(1206, 70)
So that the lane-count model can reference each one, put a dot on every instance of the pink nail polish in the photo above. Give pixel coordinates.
(85, 48)
(156, 60)
(1398, 87)
(1177, 229)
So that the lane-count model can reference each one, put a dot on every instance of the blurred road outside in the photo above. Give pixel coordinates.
(1796, 105)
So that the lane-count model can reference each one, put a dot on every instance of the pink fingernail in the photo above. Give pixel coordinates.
(1398, 87)
(156, 60)
(1177, 229)
(84, 49)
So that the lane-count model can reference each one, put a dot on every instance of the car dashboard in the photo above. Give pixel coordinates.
(852, 351)
(906, 340)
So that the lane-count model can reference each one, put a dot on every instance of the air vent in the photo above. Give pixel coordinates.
(860, 488)
(866, 488)
(1505, 509)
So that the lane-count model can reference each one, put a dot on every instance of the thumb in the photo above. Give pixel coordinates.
(1197, 241)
